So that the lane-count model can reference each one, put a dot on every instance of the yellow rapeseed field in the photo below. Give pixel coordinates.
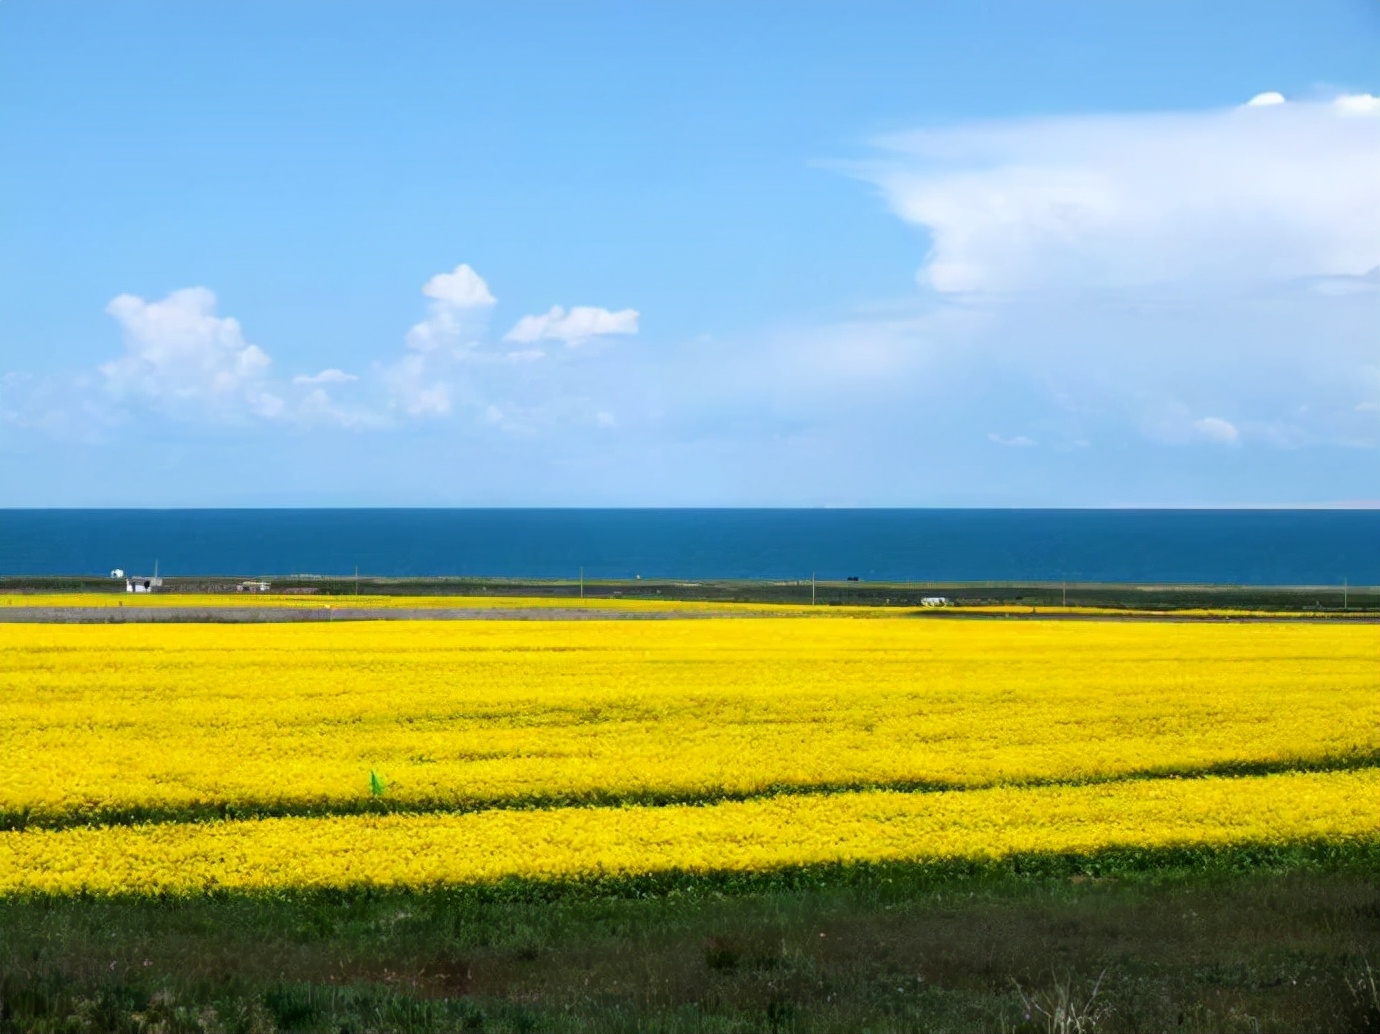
(1053, 736)
(425, 850)
(117, 718)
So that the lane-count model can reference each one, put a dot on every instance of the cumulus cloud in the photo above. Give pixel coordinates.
(573, 327)
(185, 360)
(190, 363)
(462, 288)
(180, 354)
(460, 302)
(1267, 190)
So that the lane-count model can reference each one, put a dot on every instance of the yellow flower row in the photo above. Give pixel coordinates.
(100, 719)
(752, 836)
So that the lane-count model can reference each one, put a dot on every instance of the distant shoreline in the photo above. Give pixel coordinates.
(455, 550)
(293, 615)
(463, 598)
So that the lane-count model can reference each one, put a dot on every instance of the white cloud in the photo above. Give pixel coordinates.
(330, 376)
(1020, 441)
(453, 367)
(416, 389)
(186, 361)
(574, 327)
(180, 354)
(460, 303)
(462, 288)
(1215, 429)
(1368, 283)
(1265, 100)
(1263, 191)
(1357, 104)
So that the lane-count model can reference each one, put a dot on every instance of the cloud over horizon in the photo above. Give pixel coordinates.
(181, 356)
(460, 304)
(1198, 286)
(1269, 190)
(186, 362)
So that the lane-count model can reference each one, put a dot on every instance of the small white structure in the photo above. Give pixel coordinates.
(252, 587)
(117, 574)
(936, 601)
(141, 583)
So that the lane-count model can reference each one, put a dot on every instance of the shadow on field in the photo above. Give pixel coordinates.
(888, 950)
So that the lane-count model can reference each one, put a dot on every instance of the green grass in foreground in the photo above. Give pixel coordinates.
(1249, 939)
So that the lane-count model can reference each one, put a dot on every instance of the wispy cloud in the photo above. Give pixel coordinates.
(574, 327)
(1215, 429)
(1018, 441)
(330, 376)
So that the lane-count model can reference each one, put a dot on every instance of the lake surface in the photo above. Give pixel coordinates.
(1255, 547)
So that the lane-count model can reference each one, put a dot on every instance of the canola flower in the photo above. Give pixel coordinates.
(751, 836)
(103, 721)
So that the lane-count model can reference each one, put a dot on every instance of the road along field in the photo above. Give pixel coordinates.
(189, 757)
(202, 607)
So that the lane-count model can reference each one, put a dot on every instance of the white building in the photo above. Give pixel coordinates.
(936, 601)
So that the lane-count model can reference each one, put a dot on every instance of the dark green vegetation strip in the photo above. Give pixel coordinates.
(1266, 939)
(862, 593)
(20, 819)
(239, 615)
(243, 615)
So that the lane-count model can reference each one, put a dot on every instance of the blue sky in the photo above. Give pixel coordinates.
(644, 254)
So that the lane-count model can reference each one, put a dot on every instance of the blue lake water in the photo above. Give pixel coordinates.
(1257, 547)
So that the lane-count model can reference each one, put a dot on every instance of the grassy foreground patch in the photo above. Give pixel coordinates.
(1238, 939)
